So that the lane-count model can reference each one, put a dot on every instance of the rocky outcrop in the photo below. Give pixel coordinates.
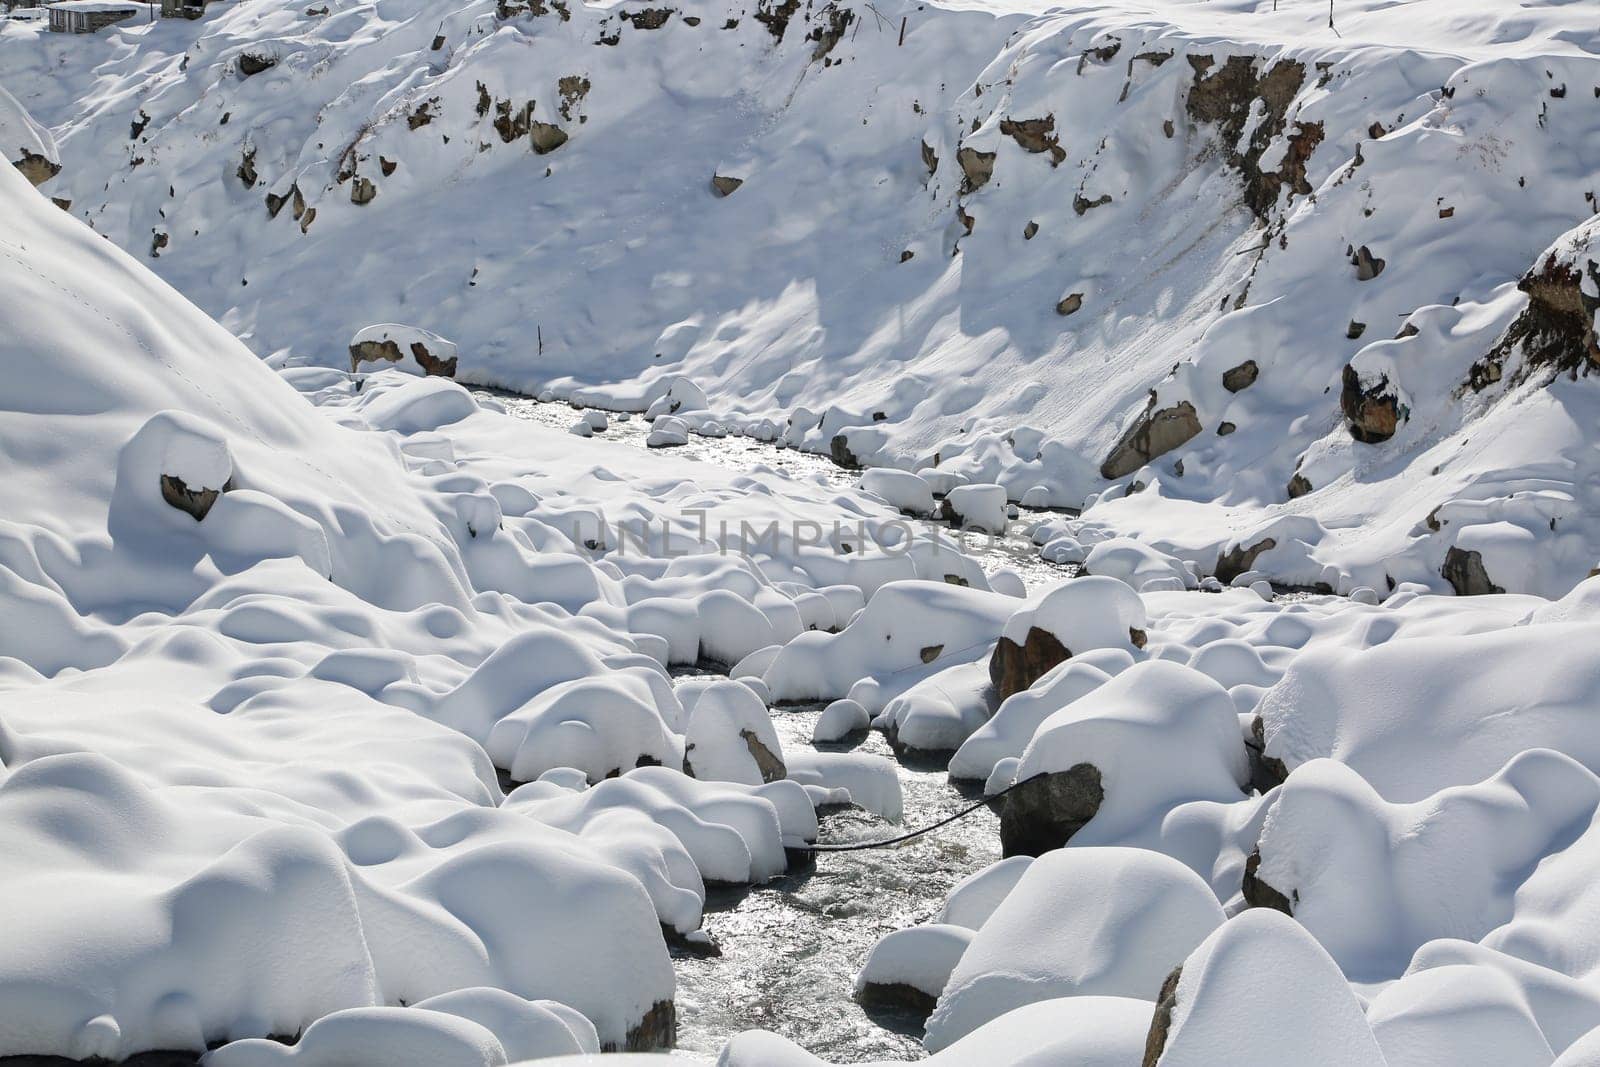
(897, 997)
(771, 766)
(1374, 412)
(723, 185)
(36, 168)
(1070, 304)
(833, 23)
(389, 351)
(1154, 433)
(1465, 572)
(1035, 135)
(976, 168)
(362, 191)
(1044, 812)
(1014, 667)
(251, 64)
(1228, 95)
(1556, 329)
(839, 451)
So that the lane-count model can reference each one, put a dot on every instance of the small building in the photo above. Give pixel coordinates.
(90, 16)
(182, 9)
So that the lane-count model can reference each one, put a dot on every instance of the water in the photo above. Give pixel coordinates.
(791, 948)
(1015, 549)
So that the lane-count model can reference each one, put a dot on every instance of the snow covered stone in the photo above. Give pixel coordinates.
(390, 343)
(1007, 733)
(976, 896)
(901, 489)
(839, 720)
(1077, 616)
(581, 429)
(976, 507)
(1111, 763)
(1136, 564)
(667, 432)
(1080, 922)
(1202, 1020)
(907, 969)
(729, 737)
(677, 395)
(177, 458)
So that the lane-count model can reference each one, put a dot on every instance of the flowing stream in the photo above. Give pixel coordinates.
(791, 948)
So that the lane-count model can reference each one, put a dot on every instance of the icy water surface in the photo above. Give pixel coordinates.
(1015, 550)
(791, 948)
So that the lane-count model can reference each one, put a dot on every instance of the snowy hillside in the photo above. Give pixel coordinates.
(976, 236)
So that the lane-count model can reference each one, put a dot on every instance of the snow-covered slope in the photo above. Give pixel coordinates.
(976, 235)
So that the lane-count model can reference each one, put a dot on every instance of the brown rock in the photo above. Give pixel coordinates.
(1238, 559)
(363, 191)
(1153, 434)
(1155, 1043)
(1368, 266)
(1373, 413)
(1259, 894)
(1069, 304)
(36, 168)
(1014, 667)
(546, 137)
(1044, 812)
(1465, 572)
(722, 185)
(1241, 377)
(194, 502)
(976, 168)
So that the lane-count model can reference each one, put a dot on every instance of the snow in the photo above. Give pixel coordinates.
(1079, 922)
(1293, 322)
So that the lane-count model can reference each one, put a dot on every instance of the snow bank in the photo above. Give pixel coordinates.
(1080, 922)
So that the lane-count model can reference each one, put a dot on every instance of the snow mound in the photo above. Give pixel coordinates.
(1080, 922)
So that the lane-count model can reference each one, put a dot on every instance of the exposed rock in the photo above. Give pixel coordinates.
(651, 18)
(835, 20)
(1014, 667)
(658, 1029)
(195, 502)
(423, 114)
(1153, 434)
(36, 168)
(1354, 331)
(1044, 812)
(1238, 559)
(1030, 230)
(896, 997)
(546, 137)
(1225, 428)
(247, 168)
(1373, 413)
(363, 191)
(251, 64)
(1035, 135)
(573, 88)
(770, 766)
(141, 122)
(1070, 304)
(1266, 772)
(906, 255)
(1259, 894)
(1155, 1043)
(839, 450)
(1465, 572)
(775, 17)
(1241, 377)
(431, 364)
(1082, 205)
(929, 158)
(1226, 96)
(1556, 329)
(158, 241)
(723, 185)
(1299, 485)
(976, 168)
(388, 351)
(931, 652)
(386, 166)
(510, 122)
(1368, 266)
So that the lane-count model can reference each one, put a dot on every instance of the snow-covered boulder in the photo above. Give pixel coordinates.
(1106, 767)
(667, 432)
(908, 969)
(408, 348)
(900, 489)
(1080, 922)
(839, 720)
(1137, 564)
(729, 737)
(1078, 616)
(980, 507)
(1233, 1001)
